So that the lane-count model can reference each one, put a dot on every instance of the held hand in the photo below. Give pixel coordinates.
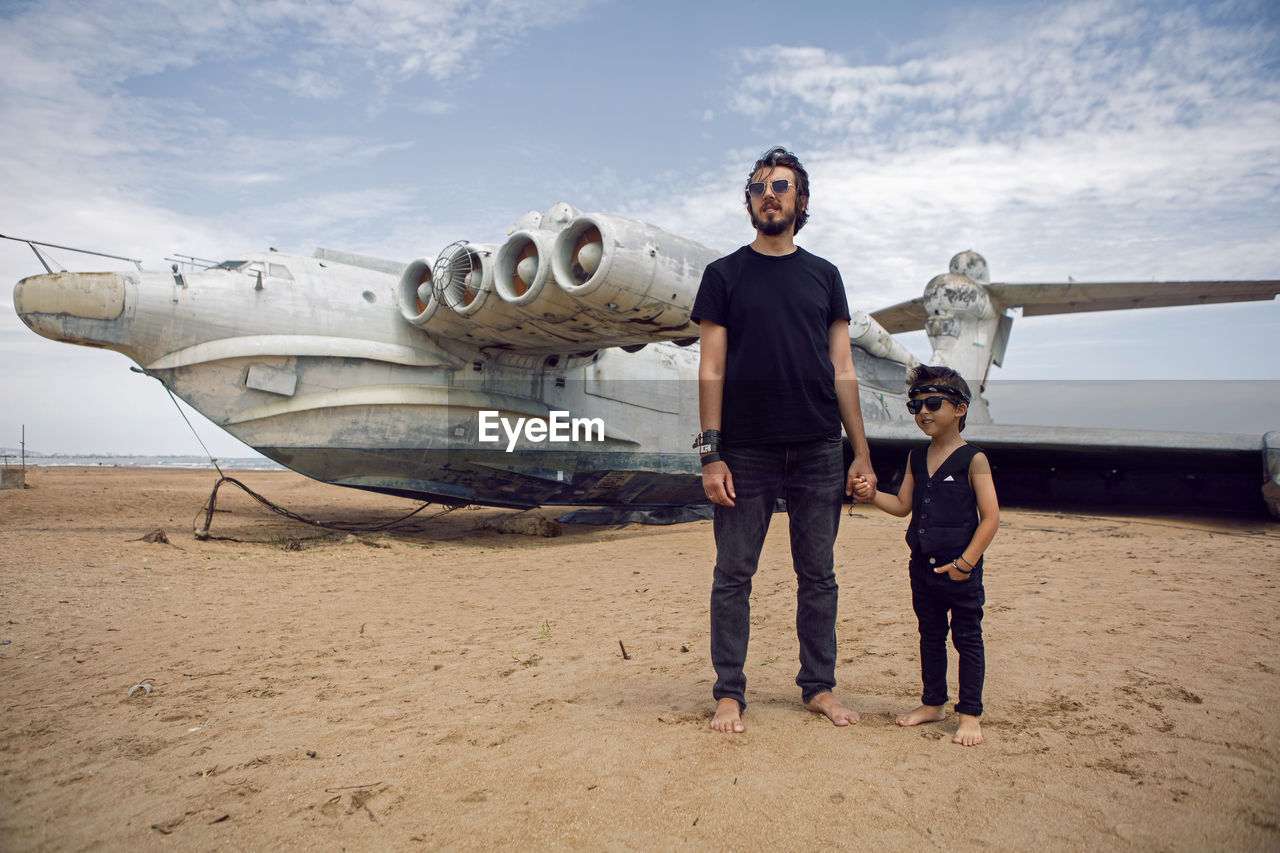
(861, 470)
(862, 488)
(717, 482)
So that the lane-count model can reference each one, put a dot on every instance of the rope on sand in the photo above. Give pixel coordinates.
(347, 527)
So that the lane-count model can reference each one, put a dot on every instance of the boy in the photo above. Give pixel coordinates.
(949, 493)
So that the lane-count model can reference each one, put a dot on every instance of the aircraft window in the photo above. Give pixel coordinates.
(230, 265)
(281, 271)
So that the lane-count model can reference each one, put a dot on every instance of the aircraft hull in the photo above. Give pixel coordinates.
(522, 479)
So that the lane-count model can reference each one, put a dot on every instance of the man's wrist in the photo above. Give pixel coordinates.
(707, 441)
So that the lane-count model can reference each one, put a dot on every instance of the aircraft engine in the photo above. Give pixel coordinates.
(562, 282)
(420, 305)
(464, 280)
(522, 277)
(865, 332)
(631, 272)
(453, 297)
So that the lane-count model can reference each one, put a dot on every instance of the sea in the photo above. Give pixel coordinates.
(244, 463)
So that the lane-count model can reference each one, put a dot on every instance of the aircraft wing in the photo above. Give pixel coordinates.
(1073, 297)
(1108, 468)
(363, 261)
(906, 316)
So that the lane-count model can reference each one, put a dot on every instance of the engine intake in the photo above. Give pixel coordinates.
(631, 271)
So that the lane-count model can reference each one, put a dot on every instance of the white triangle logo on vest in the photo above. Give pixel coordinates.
(948, 479)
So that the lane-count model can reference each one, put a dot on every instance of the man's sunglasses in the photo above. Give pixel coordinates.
(780, 187)
(930, 403)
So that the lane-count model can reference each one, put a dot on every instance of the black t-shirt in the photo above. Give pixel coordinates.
(779, 379)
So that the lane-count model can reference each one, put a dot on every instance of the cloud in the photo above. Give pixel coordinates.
(1082, 67)
(1075, 139)
(307, 83)
(433, 107)
(171, 104)
(109, 41)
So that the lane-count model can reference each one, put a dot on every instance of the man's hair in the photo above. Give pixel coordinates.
(779, 156)
(937, 379)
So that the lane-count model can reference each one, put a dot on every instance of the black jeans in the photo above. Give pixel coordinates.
(810, 476)
(932, 597)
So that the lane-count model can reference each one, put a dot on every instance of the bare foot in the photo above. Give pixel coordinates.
(923, 714)
(969, 733)
(827, 703)
(728, 717)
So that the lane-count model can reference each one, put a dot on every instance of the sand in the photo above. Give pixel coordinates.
(448, 686)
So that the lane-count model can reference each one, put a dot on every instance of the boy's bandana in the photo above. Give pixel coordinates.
(939, 389)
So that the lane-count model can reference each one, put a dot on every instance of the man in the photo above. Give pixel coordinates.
(775, 382)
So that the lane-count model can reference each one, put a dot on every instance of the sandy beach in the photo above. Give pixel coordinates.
(446, 685)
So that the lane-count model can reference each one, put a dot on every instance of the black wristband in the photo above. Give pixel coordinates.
(707, 438)
(708, 458)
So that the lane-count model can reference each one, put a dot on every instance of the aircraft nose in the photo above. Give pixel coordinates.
(45, 302)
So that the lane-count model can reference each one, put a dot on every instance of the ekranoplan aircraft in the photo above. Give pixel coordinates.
(560, 368)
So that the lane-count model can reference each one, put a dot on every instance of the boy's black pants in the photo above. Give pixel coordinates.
(933, 597)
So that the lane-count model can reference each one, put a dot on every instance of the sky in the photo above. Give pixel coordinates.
(1106, 140)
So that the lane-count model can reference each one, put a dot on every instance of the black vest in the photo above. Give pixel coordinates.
(944, 509)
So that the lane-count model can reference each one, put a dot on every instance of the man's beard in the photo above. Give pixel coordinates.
(773, 227)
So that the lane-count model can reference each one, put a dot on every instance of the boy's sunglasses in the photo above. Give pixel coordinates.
(780, 187)
(930, 403)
